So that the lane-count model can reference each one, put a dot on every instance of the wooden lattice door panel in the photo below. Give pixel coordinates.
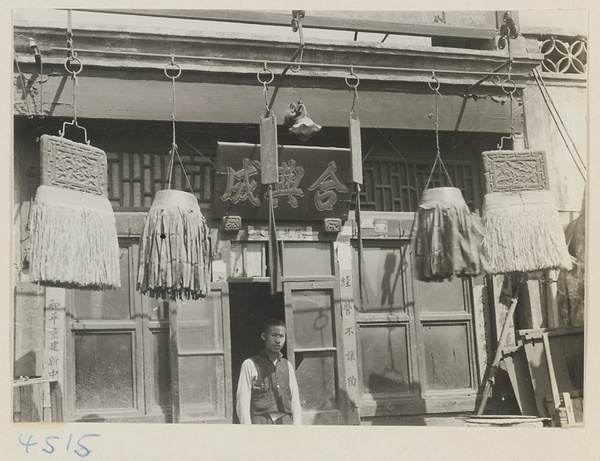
(201, 358)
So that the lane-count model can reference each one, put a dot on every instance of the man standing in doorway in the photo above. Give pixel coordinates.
(267, 390)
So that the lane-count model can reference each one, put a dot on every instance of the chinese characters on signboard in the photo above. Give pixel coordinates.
(55, 334)
(314, 183)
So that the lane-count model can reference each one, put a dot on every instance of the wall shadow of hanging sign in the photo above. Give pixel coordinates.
(314, 183)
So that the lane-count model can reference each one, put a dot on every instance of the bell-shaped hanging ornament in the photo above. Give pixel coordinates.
(448, 236)
(302, 125)
(174, 248)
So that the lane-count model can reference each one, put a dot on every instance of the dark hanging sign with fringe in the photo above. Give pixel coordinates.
(314, 183)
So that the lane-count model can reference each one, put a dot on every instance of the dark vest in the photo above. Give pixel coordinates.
(271, 392)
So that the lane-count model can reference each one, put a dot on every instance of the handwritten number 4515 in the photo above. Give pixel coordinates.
(51, 444)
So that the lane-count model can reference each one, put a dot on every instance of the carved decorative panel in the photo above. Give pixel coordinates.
(507, 170)
(71, 165)
(232, 223)
(332, 225)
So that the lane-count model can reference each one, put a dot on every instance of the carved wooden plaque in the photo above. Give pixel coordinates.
(509, 170)
(72, 165)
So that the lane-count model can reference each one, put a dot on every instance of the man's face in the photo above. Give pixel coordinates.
(274, 338)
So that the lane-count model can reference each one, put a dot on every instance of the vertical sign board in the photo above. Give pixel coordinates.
(314, 183)
(268, 150)
(54, 337)
(355, 148)
(29, 329)
(343, 253)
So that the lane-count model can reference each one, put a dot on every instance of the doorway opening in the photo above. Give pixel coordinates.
(250, 305)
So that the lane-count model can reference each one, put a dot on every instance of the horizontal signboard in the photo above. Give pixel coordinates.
(314, 183)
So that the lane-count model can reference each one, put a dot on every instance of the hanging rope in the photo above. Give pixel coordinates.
(173, 71)
(562, 129)
(434, 84)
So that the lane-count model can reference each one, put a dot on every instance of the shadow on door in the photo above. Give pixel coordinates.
(250, 305)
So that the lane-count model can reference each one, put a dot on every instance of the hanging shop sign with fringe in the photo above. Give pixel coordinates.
(448, 236)
(523, 228)
(174, 258)
(73, 230)
(314, 183)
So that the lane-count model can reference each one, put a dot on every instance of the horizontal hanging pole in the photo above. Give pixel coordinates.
(261, 62)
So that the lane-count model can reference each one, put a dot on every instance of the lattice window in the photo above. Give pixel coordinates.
(393, 185)
(565, 55)
(134, 178)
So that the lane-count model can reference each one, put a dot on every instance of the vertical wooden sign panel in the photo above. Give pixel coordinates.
(29, 328)
(269, 163)
(54, 339)
(355, 149)
(343, 252)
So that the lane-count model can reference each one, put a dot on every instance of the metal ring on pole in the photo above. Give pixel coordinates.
(172, 66)
(496, 79)
(509, 83)
(350, 76)
(68, 67)
(268, 72)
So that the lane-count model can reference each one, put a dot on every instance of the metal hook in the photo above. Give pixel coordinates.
(350, 76)
(434, 83)
(295, 70)
(354, 86)
(76, 125)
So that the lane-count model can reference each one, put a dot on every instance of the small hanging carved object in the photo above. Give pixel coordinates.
(174, 248)
(448, 236)
(73, 230)
(301, 124)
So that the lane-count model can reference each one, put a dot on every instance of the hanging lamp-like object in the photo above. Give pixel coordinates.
(448, 236)
(301, 124)
(174, 258)
(73, 229)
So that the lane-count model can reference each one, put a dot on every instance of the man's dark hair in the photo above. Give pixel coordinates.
(272, 323)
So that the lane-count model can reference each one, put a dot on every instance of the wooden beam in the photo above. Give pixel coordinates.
(340, 20)
(113, 96)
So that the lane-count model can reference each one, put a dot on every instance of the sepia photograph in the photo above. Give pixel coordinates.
(298, 217)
